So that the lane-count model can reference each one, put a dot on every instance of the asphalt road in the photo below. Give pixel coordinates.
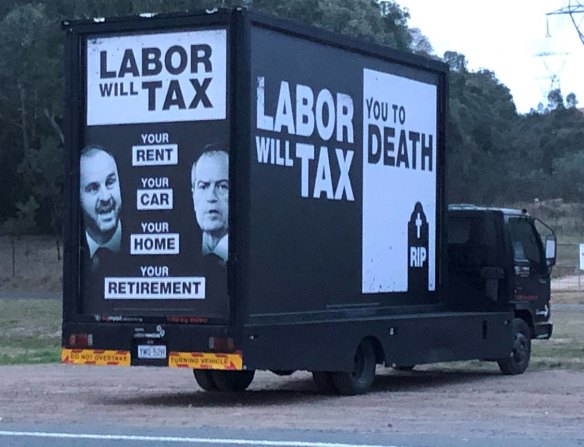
(98, 436)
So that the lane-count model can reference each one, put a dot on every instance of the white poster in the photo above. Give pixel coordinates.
(152, 78)
(399, 184)
(581, 256)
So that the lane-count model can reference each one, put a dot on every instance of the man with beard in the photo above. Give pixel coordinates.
(210, 189)
(101, 202)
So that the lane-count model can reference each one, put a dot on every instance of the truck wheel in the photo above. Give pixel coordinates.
(324, 382)
(360, 379)
(518, 360)
(233, 381)
(204, 379)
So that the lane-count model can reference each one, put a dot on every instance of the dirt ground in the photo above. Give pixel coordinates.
(475, 402)
(569, 283)
(433, 401)
(568, 290)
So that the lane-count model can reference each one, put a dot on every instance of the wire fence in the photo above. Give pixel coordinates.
(567, 274)
(30, 263)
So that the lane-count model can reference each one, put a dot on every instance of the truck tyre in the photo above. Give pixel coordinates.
(324, 382)
(232, 381)
(518, 360)
(360, 379)
(204, 379)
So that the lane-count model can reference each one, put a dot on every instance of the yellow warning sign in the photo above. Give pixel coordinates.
(205, 360)
(98, 357)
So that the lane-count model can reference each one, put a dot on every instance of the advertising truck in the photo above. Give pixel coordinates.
(246, 193)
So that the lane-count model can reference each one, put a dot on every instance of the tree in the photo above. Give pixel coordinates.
(24, 221)
(396, 20)
(30, 73)
(46, 163)
(570, 183)
(555, 100)
(571, 101)
(384, 22)
(456, 61)
(420, 44)
(481, 118)
(493, 154)
(549, 148)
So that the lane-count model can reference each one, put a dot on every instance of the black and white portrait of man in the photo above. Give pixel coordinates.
(210, 190)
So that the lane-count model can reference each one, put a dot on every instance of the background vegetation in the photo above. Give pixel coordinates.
(495, 155)
(31, 331)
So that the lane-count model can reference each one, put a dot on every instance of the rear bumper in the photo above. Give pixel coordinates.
(128, 344)
(543, 331)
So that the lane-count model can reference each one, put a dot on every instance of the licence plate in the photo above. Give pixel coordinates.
(151, 352)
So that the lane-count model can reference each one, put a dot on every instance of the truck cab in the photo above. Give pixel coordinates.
(501, 258)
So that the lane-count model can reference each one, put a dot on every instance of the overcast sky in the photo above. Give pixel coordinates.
(505, 36)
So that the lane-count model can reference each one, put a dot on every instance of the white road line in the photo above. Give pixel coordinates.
(177, 439)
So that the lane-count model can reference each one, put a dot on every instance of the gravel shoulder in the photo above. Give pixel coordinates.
(433, 401)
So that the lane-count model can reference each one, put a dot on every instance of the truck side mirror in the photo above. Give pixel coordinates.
(550, 243)
(550, 251)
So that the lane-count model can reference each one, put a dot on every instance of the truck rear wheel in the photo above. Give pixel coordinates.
(204, 379)
(518, 360)
(232, 381)
(360, 379)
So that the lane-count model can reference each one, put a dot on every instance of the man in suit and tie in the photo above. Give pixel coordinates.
(210, 189)
(101, 202)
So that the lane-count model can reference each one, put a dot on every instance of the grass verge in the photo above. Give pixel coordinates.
(30, 331)
(565, 350)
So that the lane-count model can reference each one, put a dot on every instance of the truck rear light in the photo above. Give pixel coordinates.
(80, 340)
(221, 344)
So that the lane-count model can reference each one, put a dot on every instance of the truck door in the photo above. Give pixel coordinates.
(531, 274)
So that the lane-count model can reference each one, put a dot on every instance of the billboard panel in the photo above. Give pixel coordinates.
(154, 173)
(399, 183)
(150, 78)
(344, 170)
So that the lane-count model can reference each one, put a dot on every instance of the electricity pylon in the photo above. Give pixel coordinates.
(575, 9)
